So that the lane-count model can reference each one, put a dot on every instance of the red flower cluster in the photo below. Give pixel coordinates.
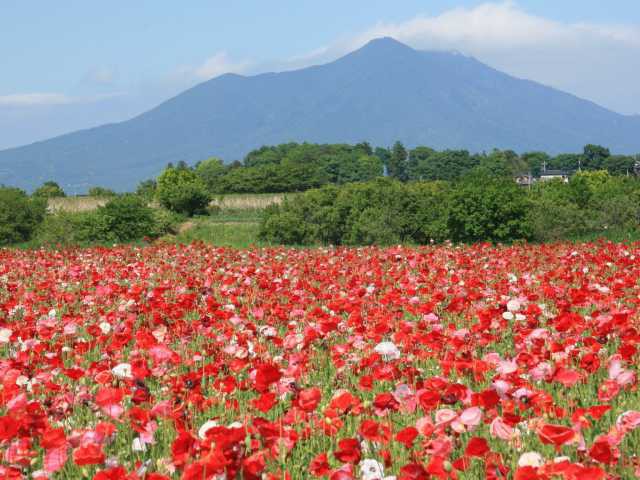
(197, 362)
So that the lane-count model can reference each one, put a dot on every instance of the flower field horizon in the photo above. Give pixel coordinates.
(199, 362)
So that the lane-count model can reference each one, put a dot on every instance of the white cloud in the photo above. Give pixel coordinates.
(498, 27)
(188, 75)
(219, 64)
(51, 99)
(34, 99)
(595, 61)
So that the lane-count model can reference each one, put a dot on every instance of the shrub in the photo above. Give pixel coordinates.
(282, 226)
(49, 190)
(182, 191)
(488, 208)
(19, 215)
(122, 219)
(65, 228)
(553, 219)
(382, 211)
(165, 222)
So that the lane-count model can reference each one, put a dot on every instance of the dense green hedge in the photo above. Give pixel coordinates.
(19, 215)
(479, 207)
(123, 219)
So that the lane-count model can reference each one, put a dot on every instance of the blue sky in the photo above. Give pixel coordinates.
(75, 64)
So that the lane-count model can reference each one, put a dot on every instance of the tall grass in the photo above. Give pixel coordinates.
(75, 204)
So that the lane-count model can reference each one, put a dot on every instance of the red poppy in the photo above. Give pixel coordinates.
(309, 399)
(602, 452)
(348, 450)
(407, 436)
(265, 402)
(556, 434)
(266, 375)
(319, 466)
(90, 454)
(477, 447)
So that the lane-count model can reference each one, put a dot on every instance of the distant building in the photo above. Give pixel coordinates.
(524, 180)
(554, 174)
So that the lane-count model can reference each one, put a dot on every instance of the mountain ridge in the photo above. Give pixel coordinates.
(382, 92)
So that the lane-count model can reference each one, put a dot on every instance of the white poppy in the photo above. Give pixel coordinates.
(122, 370)
(530, 459)
(387, 350)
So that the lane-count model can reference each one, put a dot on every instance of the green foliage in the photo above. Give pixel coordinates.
(123, 219)
(210, 171)
(49, 189)
(294, 167)
(182, 191)
(535, 162)
(503, 163)
(619, 164)
(19, 215)
(65, 229)
(594, 156)
(553, 218)
(383, 211)
(397, 162)
(101, 192)
(146, 189)
(432, 210)
(593, 203)
(484, 207)
(450, 165)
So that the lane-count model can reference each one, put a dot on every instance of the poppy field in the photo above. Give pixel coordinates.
(196, 362)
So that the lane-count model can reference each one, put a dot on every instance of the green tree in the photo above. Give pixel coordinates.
(484, 207)
(397, 162)
(210, 171)
(594, 156)
(535, 161)
(419, 163)
(49, 189)
(619, 164)
(146, 189)
(181, 190)
(101, 192)
(365, 148)
(566, 161)
(504, 163)
(19, 215)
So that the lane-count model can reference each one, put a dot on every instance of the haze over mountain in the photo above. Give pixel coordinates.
(383, 92)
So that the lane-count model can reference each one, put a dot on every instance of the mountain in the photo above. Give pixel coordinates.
(383, 92)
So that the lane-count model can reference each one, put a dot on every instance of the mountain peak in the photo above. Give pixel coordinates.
(387, 44)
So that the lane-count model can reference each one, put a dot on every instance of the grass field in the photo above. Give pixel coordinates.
(230, 233)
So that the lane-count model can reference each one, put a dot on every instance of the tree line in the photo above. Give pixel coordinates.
(295, 167)
(478, 207)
